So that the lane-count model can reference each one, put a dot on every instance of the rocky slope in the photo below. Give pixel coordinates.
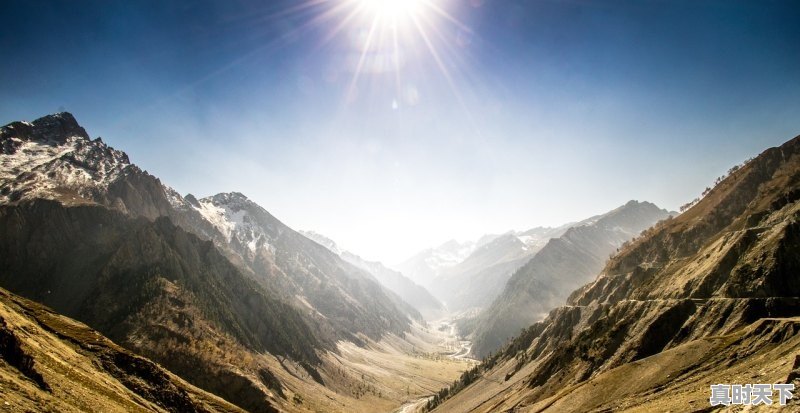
(157, 290)
(726, 267)
(562, 265)
(345, 299)
(49, 362)
(406, 290)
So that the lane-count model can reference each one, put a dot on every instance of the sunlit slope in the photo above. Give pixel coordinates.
(677, 379)
(725, 264)
(52, 363)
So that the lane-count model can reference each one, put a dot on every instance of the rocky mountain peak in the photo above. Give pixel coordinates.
(451, 245)
(58, 126)
(192, 200)
(53, 157)
(234, 200)
(632, 217)
(53, 129)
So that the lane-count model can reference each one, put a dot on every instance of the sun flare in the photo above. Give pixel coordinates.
(392, 44)
(393, 9)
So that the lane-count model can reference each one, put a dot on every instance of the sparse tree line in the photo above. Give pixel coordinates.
(467, 378)
(717, 181)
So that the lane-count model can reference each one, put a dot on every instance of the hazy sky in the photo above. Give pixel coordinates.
(391, 127)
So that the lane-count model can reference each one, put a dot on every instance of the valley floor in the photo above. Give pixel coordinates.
(395, 374)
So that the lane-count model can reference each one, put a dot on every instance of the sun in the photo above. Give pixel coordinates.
(393, 9)
(393, 44)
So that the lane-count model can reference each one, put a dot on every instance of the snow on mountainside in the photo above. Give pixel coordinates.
(536, 238)
(311, 276)
(54, 158)
(481, 276)
(228, 214)
(448, 254)
(428, 264)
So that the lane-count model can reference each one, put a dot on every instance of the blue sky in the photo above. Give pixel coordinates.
(503, 114)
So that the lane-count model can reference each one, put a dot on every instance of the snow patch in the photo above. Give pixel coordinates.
(233, 222)
(40, 169)
(175, 199)
(216, 216)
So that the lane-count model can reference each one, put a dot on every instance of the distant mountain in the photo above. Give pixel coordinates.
(426, 265)
(562, 265)
(710, 296)
(479, 278)
(409, 292)
(53, 363)
(349, 299)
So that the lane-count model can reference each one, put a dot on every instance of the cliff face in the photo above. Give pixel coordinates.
(726, 267)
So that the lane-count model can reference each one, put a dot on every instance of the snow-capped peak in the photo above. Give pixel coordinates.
(53, 157)
(230, 214)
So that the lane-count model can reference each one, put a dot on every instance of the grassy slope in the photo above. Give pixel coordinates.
(80, 370)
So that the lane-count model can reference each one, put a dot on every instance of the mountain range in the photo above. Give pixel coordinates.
(710, 296)
(119, 294)
(200, 286)
(563, 264)
(467, 276)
